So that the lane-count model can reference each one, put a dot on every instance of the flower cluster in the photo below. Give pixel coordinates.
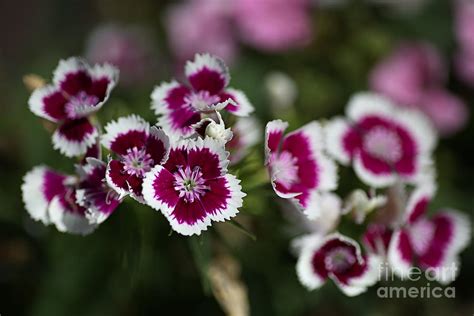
(391, 151)
(179, 166)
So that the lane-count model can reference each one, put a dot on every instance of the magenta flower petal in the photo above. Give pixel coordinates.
(376, 239)
(159, 191)
(207, 73)
(125, 133)
(274, 132)
(49, 103)
(72, 76)
(417, 205)
(104, 78)
(121, 181)
(400, 253)
(176, 115)
(40, 186)
(157, 145)
(451, 235)
(211, 161)
(74, 137)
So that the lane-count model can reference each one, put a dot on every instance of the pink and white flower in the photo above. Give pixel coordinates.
(180, 106)
(193, 187)
(67, 201)
(298, 167)
(384, 143)
(78, 91)
(338, 258)
(430, 243)
(138, 148)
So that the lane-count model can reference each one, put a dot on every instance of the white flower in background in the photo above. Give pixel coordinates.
(281, 90)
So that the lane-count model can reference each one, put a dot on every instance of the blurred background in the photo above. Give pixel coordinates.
(297, 60)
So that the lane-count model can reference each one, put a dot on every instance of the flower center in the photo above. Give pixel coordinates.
(201, 100)
(384, 144)
(339, 259)
(284, 168)
(190, 183)
(80, 105)
(137, 162)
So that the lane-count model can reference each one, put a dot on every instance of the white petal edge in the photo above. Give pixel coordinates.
(122, 126)
(33, 197)
(160, 107)
(304, 267)
(334, 133)
(328, 176)
(368, 103)
(272, 127)
(36, 103)
(69, 65)
(244, 107)
(74, 148)
(401, 267)
(233, 203)
(360, 284)
(159, 134)
(371, 179)
(209, 61)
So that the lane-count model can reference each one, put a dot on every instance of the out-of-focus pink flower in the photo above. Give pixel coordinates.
(464, 24)
(274, 25)
(464, 65)
(128, 48)
(405, 73)
(447, 112)
(201, 26)
(464, 28)
(413, 75)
